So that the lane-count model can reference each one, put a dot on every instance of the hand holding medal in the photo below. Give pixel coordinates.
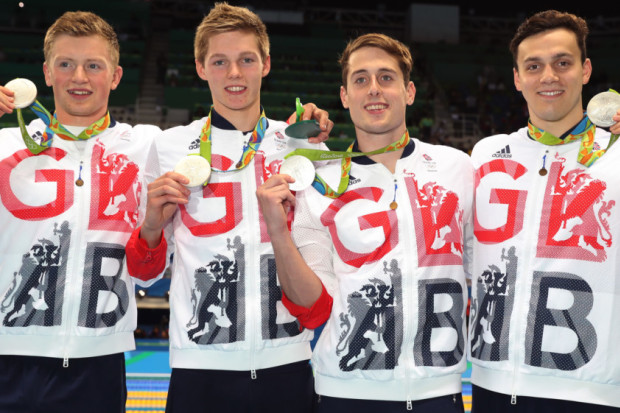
(299, 168)
(25, 92)
(25, 95)
(600, 110)
(302, 129)
(195, 168)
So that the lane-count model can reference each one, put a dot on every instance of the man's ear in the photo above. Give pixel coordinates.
(343, 97)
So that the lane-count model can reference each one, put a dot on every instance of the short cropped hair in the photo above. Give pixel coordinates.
(226, 18)
(391, 46)
(82, 24)
(550, 20)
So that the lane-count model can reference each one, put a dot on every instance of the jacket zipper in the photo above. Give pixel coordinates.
(537, 195)
(79, 200)
(409, 287)
(251, 256)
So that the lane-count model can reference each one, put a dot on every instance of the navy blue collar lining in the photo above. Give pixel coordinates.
(221, 122)
(364, 160)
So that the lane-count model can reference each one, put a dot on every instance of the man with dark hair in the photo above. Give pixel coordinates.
(545, 297)
(377, 250)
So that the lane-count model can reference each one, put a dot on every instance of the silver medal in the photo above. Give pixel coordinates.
(301, 169)
(602, 108)
(25, 92)
(195, 168)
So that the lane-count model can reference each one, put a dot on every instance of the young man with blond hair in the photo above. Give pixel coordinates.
(233, 345)
(545, 297)
(382, 259)
(71, 186)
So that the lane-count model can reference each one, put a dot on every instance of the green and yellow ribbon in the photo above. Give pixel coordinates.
(345, 164)
(53, 127)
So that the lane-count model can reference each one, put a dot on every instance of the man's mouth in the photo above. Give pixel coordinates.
(376, 106)
(80, 92)
(235, 89)
(551, 93)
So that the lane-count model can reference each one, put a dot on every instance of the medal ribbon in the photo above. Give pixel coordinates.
(53, 127)
(249, 150)
(584, 131)
(345, 164)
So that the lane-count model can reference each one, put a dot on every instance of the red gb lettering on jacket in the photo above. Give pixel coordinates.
(230, 192)
(386, 220)
(438, 223)
(116, 191)
(514, 199)
(63, 199)
(574, 217)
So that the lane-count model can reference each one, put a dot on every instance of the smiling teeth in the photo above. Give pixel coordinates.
(557, 92)
(376, 107)
(235, 88)
(80, 92)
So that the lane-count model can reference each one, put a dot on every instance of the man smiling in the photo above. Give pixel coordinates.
(81, 75)
(382, 260)
(71, 186)
(233, 345)
(545, 287)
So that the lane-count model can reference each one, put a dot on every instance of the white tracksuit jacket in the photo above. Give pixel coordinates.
(546, 277)
(64, 287)
(397, 326)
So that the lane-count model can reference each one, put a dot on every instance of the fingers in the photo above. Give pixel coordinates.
(6, 101)
(276, 199)
(163, 196)
(276, 188)
(311, 111)
(615, 128)
(323, 136)
(168, 188)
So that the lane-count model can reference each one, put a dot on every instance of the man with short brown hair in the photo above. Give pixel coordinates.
(377, 250)
(544, 296)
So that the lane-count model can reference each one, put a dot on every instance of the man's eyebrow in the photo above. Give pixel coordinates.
(554, 57)
(381, 69)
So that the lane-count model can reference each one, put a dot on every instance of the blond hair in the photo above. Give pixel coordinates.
(82, 24)
(226, 18)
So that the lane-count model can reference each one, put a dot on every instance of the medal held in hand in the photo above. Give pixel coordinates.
(302, 129)
(301, 169)
(602, 108)
(195, 168)
(25, 92)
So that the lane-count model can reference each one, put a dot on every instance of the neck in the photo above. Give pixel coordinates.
(243, 120)
(368, 142)
(67, 119)
(559, 127)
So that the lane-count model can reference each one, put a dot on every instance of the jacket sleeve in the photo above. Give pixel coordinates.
(314, 316)
(145, 263)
